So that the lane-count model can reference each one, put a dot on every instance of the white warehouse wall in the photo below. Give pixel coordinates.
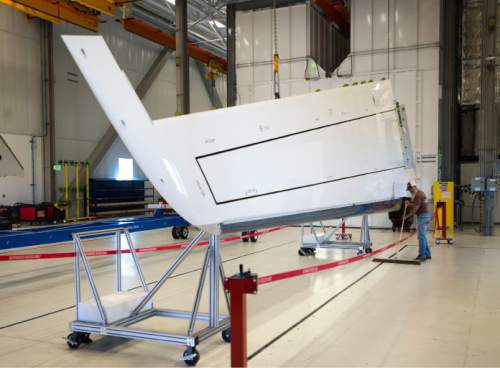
(14, 189)
(80, 121)
(20, 74)
(20, 102)
(408, 28)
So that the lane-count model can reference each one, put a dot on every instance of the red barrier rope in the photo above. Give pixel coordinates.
(261, 281)
(326, 266)
(33, 256)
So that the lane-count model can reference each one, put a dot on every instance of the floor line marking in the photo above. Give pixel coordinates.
(12, 324)
(317, 309)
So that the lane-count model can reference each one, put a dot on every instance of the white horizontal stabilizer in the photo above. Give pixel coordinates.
(291, 158)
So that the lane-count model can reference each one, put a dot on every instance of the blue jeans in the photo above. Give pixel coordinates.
(422, 223)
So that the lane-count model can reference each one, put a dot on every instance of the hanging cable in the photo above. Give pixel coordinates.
(276, 57)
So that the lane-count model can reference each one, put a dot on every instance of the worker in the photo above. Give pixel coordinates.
(419, 207)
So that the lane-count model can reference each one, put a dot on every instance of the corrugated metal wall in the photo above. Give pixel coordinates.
(80, 121)
(396, 39)
(20, 74)
(20, 101)
(399, 39)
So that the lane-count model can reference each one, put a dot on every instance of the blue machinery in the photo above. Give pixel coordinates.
(63, 233)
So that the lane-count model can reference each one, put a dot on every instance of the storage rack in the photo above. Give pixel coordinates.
(110, 197)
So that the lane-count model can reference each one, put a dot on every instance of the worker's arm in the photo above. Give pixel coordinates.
(414, 205)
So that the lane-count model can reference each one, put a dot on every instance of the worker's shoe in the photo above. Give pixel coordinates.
(420, 258)
(428, 257)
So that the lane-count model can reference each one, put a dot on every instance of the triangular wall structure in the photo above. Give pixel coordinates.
(9, 164)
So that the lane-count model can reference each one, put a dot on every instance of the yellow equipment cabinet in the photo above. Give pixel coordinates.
(444, 200)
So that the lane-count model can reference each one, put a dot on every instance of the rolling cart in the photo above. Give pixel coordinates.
(323, 239)
(116, 313)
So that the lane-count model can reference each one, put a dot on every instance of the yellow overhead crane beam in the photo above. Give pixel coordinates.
(102, 6)
(83, 13)
(64, 11)
(30, 11)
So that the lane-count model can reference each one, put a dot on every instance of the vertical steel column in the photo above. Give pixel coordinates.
(488, 121)
(47, 50)
(181, 57)
(213, 309)
(231, 54)
(449, 120)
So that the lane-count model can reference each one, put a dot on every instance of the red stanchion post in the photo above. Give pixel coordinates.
(443, 220)
(238, 286)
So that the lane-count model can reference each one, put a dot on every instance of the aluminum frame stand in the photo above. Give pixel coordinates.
(309, 243)
(216, 322)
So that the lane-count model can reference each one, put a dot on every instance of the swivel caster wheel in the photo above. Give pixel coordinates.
(75, 339)
(226, 335)
(191, 356)
(306, 251)
(253, 238)
(175, 232)
(86, 338)
(245, 240)
(183, 232)
(368, 250)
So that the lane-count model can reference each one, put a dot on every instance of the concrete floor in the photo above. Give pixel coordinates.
(445, 312)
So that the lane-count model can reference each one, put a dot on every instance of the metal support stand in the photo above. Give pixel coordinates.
(441, 229)
(316, 240)
(238, 286)
(99, 321)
